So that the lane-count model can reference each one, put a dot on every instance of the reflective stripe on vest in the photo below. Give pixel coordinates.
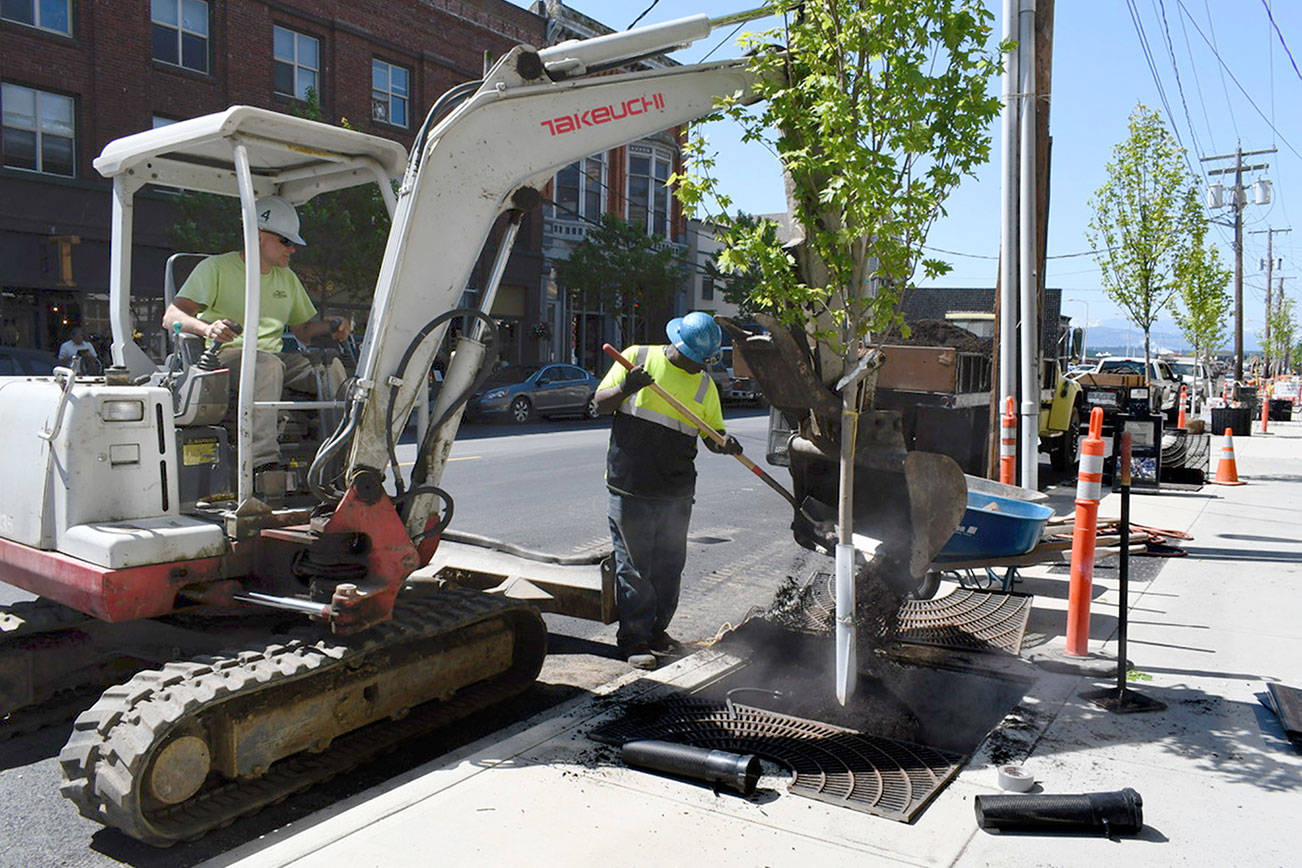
(649, 415)
(629, 405)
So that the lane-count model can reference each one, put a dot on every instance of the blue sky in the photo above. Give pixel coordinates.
(1100, 72)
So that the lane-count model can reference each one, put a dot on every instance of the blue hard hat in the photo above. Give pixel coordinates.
(696, 336)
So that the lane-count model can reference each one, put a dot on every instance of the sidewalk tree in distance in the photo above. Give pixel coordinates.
(876, 110)
(1202, 304)
(1283, 332)
(1145, 221)
(619, 267)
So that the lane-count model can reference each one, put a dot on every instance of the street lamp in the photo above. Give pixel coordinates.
(1085, 326)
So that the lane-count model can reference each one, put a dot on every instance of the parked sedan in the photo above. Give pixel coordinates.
(520, 392)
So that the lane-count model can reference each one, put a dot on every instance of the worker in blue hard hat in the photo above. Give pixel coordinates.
(651, 476)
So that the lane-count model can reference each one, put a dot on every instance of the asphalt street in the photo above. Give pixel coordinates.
(538, 486)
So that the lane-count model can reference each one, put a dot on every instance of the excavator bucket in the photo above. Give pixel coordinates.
(909, 503)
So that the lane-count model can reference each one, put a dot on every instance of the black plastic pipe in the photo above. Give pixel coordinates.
(1115, 813)
(735, 771)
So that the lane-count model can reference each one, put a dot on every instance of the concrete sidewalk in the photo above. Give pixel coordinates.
(1220, 783)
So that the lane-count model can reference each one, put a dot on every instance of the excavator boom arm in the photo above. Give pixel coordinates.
(510, 136)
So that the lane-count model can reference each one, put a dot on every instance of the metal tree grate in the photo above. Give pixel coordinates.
(881, 776)
(966, 620)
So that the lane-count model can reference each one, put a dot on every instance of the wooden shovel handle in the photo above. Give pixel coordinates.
(705, 428)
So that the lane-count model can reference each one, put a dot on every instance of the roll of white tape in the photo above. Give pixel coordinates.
(1015, 779)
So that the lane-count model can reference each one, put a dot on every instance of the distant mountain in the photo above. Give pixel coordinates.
(1115, 335)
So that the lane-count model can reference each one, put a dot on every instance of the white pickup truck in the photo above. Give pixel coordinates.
(1163, 383)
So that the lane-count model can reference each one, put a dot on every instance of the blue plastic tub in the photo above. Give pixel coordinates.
(995, 527)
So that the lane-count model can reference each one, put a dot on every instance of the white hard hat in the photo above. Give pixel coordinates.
(278, 216)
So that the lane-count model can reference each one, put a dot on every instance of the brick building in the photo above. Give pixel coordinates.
(77, 74)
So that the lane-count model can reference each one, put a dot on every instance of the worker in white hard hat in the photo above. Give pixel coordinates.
(210, 305)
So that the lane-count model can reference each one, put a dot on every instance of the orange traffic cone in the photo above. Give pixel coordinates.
(1227, 472)
(1089, 491)
(1184, 402)
(1008, 444)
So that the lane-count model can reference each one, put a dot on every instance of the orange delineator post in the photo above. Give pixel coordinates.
(1184, 402)
(1265, 413)
(1008, 444)
(1227, 470)
(1089, 491)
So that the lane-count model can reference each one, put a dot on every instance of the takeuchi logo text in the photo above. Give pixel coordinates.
(604, 114)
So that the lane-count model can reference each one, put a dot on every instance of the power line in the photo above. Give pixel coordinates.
(1152, 69)
(721, 41)
(1175, 67)
(1193, 67)
(1273, 24)
(1212, 27)
(1237, 84)
(654, 4)
(995, 258)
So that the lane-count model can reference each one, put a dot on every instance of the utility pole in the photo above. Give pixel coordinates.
(1238, 198)
(1024, 216)
(1270, 264)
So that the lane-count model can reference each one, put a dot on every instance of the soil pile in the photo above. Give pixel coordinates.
(938, 333)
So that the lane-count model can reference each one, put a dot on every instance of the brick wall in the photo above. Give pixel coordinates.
(106, 64)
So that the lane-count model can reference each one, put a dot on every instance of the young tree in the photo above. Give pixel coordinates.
(880, 107)
(1283, 331)
(1202, 304)
(1145, 221)
(619, 265)
(876, 110)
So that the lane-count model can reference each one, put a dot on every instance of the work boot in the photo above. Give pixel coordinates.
(640, 657)
(664, 645)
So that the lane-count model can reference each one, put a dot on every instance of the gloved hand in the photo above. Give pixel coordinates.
(730, 446)
(636, 380)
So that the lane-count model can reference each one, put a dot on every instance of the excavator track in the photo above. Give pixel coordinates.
(132, 757)
(25, 707)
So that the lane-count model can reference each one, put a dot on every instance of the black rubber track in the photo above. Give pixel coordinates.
(113, 743)
(19, 623)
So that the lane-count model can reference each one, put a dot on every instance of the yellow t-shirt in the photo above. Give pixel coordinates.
(217, 285)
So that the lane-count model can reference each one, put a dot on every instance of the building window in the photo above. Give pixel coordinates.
(52, 15)
(298, 60)
(581, 190)
(39, 130)
(180, 32)
(707, 289)
(389, 93)
(648, 190)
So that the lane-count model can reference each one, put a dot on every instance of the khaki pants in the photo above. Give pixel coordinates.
(273, 374)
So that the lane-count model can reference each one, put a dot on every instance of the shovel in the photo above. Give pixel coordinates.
(815, 517)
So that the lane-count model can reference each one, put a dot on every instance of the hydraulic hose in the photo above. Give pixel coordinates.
(485, 371)
(450, 99)
(448, 508)
(416, 342)
(475, 539)
(342, 435)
